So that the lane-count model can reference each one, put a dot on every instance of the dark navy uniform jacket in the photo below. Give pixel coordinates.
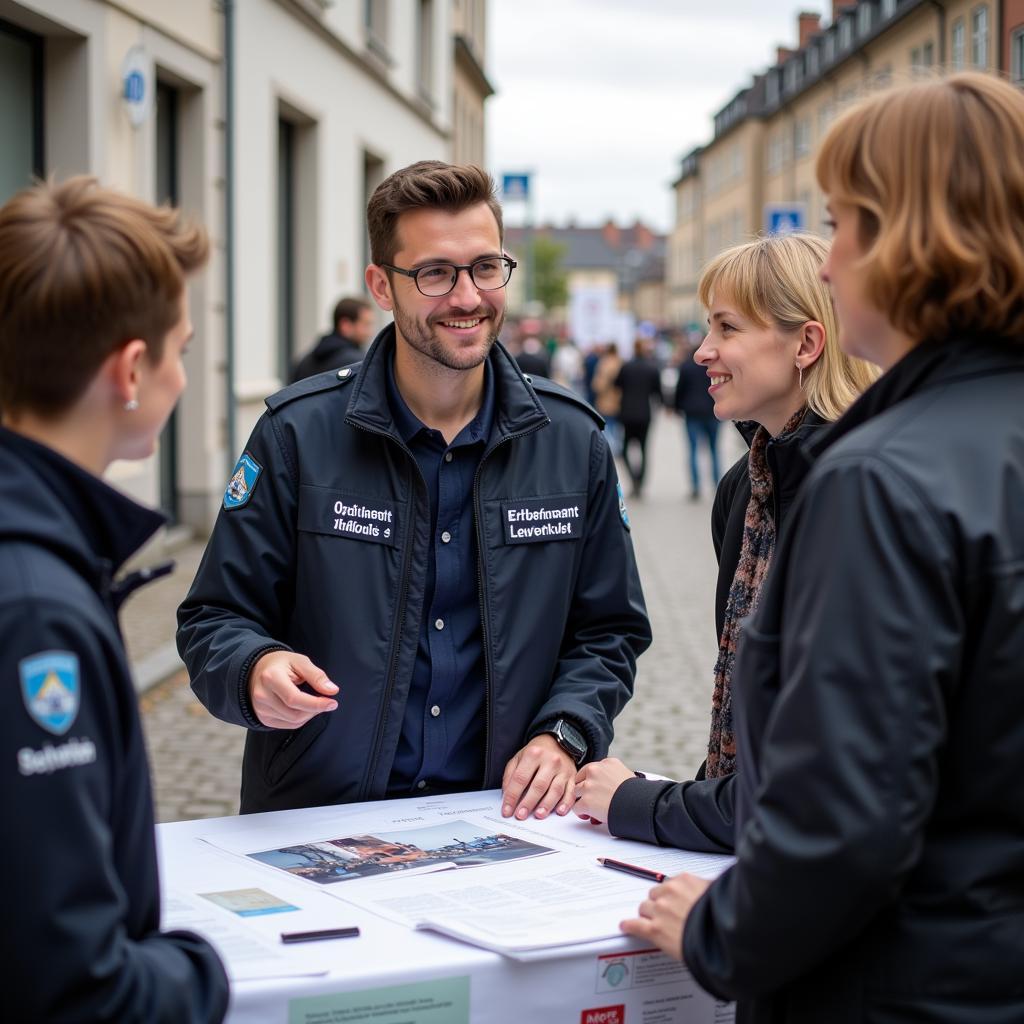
(322, 548)
(81, 906)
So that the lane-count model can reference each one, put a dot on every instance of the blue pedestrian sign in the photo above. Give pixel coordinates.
(515, 186)
(784, 218)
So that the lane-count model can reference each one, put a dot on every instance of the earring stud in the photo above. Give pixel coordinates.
(131, 405)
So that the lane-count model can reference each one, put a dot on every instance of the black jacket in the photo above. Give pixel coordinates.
(880, 716)
(700, 814)
(81, 917)
(691, 396)
(330, 352)
(639, 380)
(563, 619)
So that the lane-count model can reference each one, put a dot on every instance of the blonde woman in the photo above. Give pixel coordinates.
(774, 365)
(880, 862)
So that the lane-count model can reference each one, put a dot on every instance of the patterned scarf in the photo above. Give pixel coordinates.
(755, 558)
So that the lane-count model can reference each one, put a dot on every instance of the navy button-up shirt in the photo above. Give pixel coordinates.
(441, 747)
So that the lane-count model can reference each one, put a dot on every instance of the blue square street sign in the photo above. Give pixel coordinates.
(515, 186)
(784, 218)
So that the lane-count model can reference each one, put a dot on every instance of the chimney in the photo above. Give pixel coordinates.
(808, 24)
(611, 234)
(782, 54)
(642, 236)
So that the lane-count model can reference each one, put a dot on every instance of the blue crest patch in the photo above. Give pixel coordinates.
(243, 480)
(50, 689)
(623, 514)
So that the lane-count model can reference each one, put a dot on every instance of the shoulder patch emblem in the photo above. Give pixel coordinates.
(243, 480)
(623, 513)
(50, 689)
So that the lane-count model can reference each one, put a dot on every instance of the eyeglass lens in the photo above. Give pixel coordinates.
(439, 278)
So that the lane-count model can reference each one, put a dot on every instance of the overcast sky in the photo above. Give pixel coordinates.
(601, 98)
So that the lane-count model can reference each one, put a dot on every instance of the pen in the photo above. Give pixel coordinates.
(325, 933)
(631, 869)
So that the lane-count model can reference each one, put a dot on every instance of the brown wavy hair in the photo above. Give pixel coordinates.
(84, 270)
(426, 185)
(935, 171)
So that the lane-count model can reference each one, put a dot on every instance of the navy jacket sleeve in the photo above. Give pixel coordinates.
(77, 946)
(853, 723)
(607, 627)
(694, 815)
(237, 607)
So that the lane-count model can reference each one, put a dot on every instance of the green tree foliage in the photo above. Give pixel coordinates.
(549, 278)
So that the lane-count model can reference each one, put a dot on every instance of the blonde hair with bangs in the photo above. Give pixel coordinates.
(774, 281)
(935, 171)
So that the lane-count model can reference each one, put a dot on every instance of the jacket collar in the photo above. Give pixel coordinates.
(929, 364)
(57, 504)
(516, 406)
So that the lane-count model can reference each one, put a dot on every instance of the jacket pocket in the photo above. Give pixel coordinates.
(294, 744)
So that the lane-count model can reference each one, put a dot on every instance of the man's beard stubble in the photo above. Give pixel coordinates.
(422, 337)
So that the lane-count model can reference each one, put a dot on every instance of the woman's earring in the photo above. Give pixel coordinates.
(800, 376)
(131, 405)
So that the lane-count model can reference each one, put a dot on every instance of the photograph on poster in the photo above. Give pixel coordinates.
(454, 844)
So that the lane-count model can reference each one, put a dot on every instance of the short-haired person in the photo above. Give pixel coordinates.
(774, 364)
(352, 330)
(422, 579)
(93, 324)
(879, 872)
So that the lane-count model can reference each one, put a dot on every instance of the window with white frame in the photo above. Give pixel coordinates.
(802, 137)
(957, 45)
(812, 60)
(864, 13)
(1017, 55)
(979, 37)
(845, 33)
(888, 8)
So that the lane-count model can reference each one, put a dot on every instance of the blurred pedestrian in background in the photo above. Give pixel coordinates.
(93, 326)
(607, 394)
(639, 384)
(697, 408)
(879, 873)
(353, 330)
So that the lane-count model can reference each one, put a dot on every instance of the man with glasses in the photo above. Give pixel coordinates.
(422, 579)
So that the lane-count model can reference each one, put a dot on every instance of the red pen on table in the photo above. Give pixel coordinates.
(632, 869)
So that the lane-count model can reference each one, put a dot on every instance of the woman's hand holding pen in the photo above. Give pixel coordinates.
(595, 785)
(663, 914)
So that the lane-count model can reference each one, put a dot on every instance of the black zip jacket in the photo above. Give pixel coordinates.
(563, 616)
(880, 719)
(81, 919)
(699, 814)
(330, 352)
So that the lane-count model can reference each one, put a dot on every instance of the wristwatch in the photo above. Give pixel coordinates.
(570, 739)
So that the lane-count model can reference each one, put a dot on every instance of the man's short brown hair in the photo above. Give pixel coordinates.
(83, 270)
(935, 171)
(427, 185)
(349, 309)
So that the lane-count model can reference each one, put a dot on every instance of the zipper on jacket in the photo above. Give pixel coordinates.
(484, 631)
(399, 617)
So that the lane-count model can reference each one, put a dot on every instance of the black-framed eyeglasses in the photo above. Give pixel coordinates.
(436, 279)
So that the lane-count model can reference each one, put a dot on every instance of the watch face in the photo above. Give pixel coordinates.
(572, 739)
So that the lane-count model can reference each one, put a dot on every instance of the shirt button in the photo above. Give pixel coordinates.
(435, 711)
(438, 623)
(447, 456)
(446, 537)
(422, 784)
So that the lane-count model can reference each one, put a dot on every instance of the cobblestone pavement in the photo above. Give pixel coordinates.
(196, 758)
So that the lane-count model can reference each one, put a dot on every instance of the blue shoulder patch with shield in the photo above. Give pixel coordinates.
(50, 687)
(623, 514)
(243, 480)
